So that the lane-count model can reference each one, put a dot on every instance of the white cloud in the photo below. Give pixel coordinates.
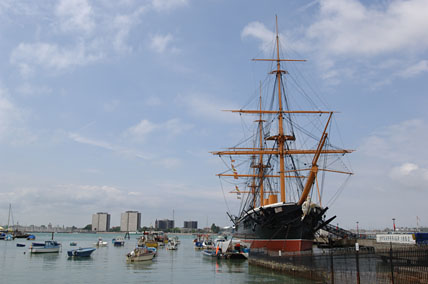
(410, 175)
(170, 127)
(108, 146)
(392, 157)
(33, 90)
(111, 105)
(162, 5)
(416, 69)
(153, 101)
(398, 142)
(169, 163)
(259, 31)
(12, 121)
(50, 56)
(8, 113)
(162, 43)
(345, 31)
(349, 27)
(75, 15)
(205, 106)
(143, 128)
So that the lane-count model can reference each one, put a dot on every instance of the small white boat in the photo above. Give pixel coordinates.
(172, 245)
(47, 247)
(101, 243)
(140, 254)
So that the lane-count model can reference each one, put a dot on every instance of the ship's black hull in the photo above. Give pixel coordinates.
(280, 226)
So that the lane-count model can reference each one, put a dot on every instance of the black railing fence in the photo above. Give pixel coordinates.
(367, 265)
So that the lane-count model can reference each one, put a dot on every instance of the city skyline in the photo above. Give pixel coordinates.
(108, 106)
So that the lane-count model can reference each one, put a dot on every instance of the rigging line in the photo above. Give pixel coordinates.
(338, 192)
(305, 79)
(224, 196)
(341, 140)
(324, 172)
(303, 92)
(287, 105)
(262, 178)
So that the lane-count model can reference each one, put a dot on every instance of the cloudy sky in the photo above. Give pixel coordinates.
(115, 105)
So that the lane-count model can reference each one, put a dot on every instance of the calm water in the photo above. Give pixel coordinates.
(108, 265)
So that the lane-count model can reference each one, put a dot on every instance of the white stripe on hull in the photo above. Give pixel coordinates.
(43, 250)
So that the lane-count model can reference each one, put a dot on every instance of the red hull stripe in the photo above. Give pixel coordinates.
(283, 245)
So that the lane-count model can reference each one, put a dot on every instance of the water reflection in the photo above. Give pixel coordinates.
(80, 259)
(230, 265)
(140, 265)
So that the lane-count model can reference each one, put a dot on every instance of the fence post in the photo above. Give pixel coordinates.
(331, 266)
(357, 260)
(392, 265)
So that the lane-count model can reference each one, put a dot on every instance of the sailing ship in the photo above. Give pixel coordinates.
(287, 164)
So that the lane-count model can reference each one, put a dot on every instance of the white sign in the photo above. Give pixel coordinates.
(396, 238)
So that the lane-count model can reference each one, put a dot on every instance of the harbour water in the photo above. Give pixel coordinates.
(108, 264)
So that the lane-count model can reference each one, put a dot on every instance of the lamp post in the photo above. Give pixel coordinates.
(393, 223)
(358, 231)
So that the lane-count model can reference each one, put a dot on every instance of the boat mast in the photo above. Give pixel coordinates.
(8, 217)
(261, 166)
(281, 139)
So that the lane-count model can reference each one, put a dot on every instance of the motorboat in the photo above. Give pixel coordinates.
(46, 247)
(81, 252)
(140, 254)
(101, 243)
(119, 241)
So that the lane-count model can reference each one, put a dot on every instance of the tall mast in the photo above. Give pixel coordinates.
(261, 166)
(280, 118)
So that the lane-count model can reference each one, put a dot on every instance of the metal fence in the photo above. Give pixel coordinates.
(367, 265)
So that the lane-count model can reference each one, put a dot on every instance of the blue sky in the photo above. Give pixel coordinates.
(114, 106)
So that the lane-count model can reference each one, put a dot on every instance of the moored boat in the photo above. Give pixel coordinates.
(46, 247)
(172, 245)
(119, 241)
(140, 254)
(81, 252)
(101, 243)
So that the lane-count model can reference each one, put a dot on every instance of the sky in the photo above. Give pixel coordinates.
(116, 105)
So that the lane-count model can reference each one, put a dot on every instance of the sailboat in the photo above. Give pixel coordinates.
(283, 160)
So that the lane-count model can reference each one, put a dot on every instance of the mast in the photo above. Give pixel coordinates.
(261, 166)
(8, 217)
(281, 137)
(280, 118)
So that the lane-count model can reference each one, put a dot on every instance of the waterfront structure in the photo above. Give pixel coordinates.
(101, 222)
(190, 225)
(164, 224)
(130, 221)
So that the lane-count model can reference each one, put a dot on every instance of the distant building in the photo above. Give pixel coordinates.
(164, 224)
(101, 222)
(130, 221)
(190, 224)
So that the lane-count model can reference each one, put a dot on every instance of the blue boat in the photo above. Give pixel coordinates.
(20, 245)
(31, 237)
(152, 249)
(81, 252)
(118, 242)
